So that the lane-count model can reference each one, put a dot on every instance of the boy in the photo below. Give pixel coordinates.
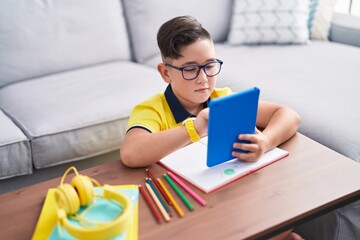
(171, 120)
(190, 67)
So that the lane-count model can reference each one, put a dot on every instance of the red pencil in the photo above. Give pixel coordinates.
(159, 187)
(156, 214)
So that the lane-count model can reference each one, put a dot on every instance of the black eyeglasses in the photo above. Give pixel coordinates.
(191, 72)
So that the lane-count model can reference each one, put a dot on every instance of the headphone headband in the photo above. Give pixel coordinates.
(104, 231)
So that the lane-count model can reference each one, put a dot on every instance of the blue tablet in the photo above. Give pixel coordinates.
(230, 116)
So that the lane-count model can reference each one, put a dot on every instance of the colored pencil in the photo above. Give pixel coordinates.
(174, 203)
(157, 202)
(178, 191)
(148, 180)
(155, 213)
(158, 186)
(186, 188)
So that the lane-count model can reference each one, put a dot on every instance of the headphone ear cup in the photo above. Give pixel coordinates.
(84, 189)
(67, 199)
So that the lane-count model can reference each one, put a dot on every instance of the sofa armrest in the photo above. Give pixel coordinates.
(345, 29)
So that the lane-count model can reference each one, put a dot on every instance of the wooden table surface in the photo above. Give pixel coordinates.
(312, 180)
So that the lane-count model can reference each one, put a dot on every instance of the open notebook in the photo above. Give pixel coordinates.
(190, 164)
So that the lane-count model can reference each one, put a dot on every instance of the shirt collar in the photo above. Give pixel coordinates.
(178, 111)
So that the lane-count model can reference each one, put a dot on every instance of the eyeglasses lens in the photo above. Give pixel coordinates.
(210, 69)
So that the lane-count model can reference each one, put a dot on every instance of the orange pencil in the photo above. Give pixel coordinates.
(156, 214)
(176, 206)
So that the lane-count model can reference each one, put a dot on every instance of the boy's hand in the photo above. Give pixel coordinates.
(201, 122)
(256, 148)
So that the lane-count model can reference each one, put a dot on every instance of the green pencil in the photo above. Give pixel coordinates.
(181, 195)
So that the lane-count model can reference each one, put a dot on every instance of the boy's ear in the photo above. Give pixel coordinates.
(164, 72)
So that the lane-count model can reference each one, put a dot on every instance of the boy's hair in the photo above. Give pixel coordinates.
(177, 33)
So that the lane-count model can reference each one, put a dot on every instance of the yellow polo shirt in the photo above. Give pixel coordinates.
(164, 111)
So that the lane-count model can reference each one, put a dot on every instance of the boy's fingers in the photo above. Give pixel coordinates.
(246, 157)
(243, 146)
(249, 137)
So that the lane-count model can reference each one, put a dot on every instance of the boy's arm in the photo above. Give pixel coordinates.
(141, 148)
(279, 122)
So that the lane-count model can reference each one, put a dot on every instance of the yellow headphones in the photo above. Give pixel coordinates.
(70, 197)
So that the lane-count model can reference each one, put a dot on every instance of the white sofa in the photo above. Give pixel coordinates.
(71, 71)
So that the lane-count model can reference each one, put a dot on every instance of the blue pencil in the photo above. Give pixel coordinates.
(158, 195)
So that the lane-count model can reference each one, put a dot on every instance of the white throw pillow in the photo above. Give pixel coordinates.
(320, 15)
(269, 22)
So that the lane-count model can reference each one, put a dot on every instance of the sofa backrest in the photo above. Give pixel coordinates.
(345, 29)
(145, 17)
(44, 37)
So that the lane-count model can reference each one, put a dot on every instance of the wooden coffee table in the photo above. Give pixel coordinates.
(311, 181)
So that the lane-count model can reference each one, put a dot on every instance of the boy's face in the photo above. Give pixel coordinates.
(191, 93)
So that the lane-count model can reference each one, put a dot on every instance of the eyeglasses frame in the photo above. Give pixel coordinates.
(199, 66)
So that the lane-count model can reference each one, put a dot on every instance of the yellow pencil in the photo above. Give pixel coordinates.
(176, 206)
(158, 203)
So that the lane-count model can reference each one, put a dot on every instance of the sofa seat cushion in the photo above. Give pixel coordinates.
(321, 81)
(15, 153)
(78, 114)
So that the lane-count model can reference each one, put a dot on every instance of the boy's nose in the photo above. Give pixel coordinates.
(202, 76)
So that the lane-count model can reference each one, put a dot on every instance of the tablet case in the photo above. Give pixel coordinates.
(230, 116)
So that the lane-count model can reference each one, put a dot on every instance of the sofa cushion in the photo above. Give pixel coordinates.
(144, 19)
(43, 37)
(320, 14)
(323, 91)
(80, 113)
(15, 153)
(270, 22)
